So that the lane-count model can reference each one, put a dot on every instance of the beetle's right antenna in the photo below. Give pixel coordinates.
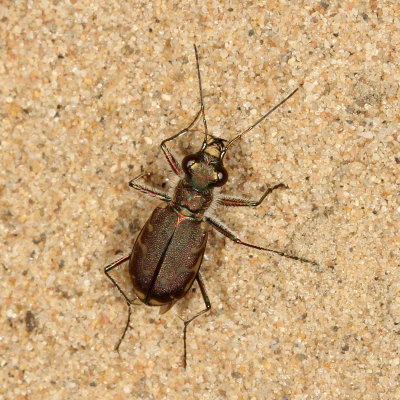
(201, 98)
(256, 123)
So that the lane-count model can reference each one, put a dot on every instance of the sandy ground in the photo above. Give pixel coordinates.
(88, 89)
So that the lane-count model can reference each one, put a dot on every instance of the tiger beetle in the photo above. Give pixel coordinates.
(167, 254)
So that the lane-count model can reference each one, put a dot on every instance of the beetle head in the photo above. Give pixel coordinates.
(205, 169)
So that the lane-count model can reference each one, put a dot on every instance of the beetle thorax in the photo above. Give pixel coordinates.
(189, 201)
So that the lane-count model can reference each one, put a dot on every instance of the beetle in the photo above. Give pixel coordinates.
(167, 254)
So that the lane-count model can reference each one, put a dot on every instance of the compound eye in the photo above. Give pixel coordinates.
(188, 162)
(222, 177)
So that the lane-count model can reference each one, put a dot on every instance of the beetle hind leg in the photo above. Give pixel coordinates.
(128, 301)
(111, 267)
(187, 322)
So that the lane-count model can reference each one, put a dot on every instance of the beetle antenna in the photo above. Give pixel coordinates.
(256, 123)
(203, 115)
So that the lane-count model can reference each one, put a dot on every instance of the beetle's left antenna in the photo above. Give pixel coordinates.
(203, 115)
(256, 123)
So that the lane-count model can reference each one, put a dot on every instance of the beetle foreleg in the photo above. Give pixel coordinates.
(236, 202)
(186, 323)
(148, 190)
(128, 302)
(170, 157)
(230, 235)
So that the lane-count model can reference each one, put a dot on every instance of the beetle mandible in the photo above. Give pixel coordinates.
(167, 254)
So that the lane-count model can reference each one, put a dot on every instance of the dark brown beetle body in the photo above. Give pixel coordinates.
(166, 256)
(168, 252)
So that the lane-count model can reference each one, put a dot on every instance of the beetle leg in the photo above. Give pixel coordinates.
(148, 190)
(230, 235)
(128, 302)
(186, 323)
(236, 202)
(171, 159)
(111, 267)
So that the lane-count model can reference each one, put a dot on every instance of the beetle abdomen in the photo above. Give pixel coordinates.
(166, 272)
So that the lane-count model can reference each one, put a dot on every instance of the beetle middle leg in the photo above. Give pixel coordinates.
(148, 190)
(237, 202)
(187, 322)
(230, 235)
(128, 301)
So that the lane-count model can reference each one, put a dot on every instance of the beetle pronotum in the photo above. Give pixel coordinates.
(167, 254)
